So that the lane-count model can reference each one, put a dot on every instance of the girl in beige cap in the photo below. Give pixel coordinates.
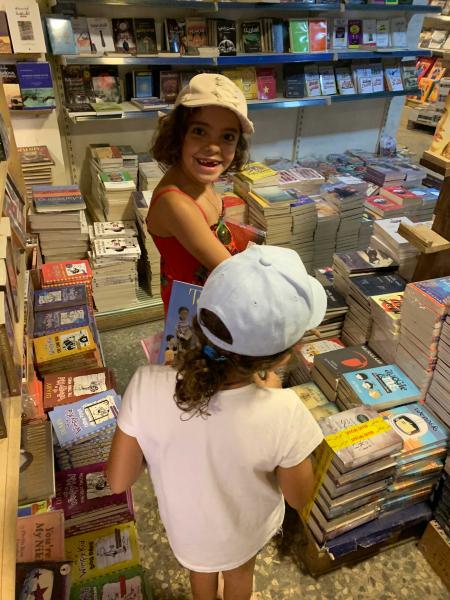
(198, 141)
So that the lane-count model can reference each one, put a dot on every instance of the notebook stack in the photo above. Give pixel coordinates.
(358, 321)
(358, 262)
(58, 217)
(315, 401)
(304, 223)
(379, 388)
(386, 239)
(347, 195)
(421, 460)
(114, 255)
(330, 367)
(325, 233)
(438, 398)
(304, 355)
(354, 484)
(425, 307)
(385, 333)
(301, 179)
(36, 163)
(333, 321)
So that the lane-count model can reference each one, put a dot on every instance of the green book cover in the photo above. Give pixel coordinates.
(101, 107)
(298, 35)
(126, 583)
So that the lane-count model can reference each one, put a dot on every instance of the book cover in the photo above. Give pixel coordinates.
(126, 583)
(382, 385)
(34, 155)
(111, 247)
(369, 38)
(45, 580)
(255, 172)
(100, 32)
(310, 394)
(312, 80)
(178, 335)
(169, 85)
(77, 83)
(293, 81)
(383, 33)
(251, 36)
(111, 229)
(347, 360)
(71, 386)
(249, 84)
(105, 83)
(46, 322)
(355, 32)
(37, 471)
(344, 81)
(393, 78)
(196, 33)
(437, 289)
(25, 26)
(391, 304)
(61, 36)
(36, 85)
(63, 344)
(81, 34)
(5, 40)
(365, 260)
(176, 35)
(226, 37)
(11, 87)
(327, 80)
(317, 33)
(398, 32)
(123, 35)
(59, 297)
(339, 34)
(101, 552)
(59, 198)
(311, 350)
(266, 80)
(142, 84)
(73, 423)
(145, 32)
(65, 272)
(377, 77)
(373, 285)
(40, 537)
(298, 35)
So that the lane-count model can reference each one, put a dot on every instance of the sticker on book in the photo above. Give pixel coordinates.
(89, 384)
(113, 548)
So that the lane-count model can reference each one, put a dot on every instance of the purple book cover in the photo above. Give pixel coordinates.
(59, 297)
(84, 489)
(51, 321)
(355, 29)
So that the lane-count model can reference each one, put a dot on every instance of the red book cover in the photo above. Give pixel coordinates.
(381, 205)
(266, 80)
(65, 272)
(400, 195)
(71, 386)
(317, 35)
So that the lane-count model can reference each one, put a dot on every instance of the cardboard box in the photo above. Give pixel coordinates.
(435, 546)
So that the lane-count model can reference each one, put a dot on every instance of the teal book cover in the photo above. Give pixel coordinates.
(298, 32)
(61, 35)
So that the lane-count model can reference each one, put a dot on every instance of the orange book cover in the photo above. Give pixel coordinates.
(40, 537)
(317, 35)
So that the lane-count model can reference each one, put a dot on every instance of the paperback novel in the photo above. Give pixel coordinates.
(59, 297)
(145, 33)
(52, 321)
(36, 85)
(40, 537)
(71, 386)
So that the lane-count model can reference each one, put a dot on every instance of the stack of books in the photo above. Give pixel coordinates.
(333, 321)
(67, 273)
(150, 174)
(36, 163)
(386, 239)
(354, 477)
(425, 307)
(437, 398)
(301, 179)
(234, 207)
(358, 321)
(304, 222)
(115, 191)
(407, 199)
(384, 173)
(429, 197)
(114, 255)
(256, 174)
(380, 207)
(69, 349)
(385, 333)
(380, 388)
(442, 510)
(359, 262)
(325, 233)
(58, 217)
(304, 355)
(365, 229)
(150, 253)
(315, 401)
(330, 367)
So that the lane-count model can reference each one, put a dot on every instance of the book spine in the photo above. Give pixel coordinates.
(6, 353)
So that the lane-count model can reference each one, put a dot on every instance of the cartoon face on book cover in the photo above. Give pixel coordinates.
(376, 385)
(74, 340)
(416, 425)
(178, 333)
(113, 548)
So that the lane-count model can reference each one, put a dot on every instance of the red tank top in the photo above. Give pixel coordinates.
(176, 262)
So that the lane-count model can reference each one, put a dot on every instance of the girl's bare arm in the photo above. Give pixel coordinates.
(296, 483)
(125, 462)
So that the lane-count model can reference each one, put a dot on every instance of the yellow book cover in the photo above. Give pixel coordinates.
(63, 344)
(104, 551)
(248, 76)
(256, 171)
(235, 77)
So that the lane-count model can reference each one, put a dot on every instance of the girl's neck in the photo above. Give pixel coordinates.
(187, 183)
(231, 385)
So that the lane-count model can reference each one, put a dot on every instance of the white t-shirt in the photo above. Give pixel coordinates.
(214, 477)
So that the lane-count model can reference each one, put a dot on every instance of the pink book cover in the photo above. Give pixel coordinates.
(40, 537)
(84, 489)
(266, 80)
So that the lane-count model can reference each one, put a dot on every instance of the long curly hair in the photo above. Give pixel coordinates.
(168, 140)
(202, 374)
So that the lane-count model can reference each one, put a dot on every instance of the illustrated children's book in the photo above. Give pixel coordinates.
(46, 322)
(71, 386)
(82, 420)
(178, 335)
(46, 580)
(64, 344)
(126, 583)
(40, 537)
(65, 272)
(59, 297)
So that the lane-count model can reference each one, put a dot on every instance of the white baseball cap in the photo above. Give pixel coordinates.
(213, 89)
(265, 298)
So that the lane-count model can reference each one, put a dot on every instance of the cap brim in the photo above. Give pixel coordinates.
(246, 124)
(319, 303)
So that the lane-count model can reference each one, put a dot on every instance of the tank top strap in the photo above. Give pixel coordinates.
(167, 189)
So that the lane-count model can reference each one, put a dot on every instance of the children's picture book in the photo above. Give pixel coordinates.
(36, 85)
(126, 583)
(226, 37)
(124, 38)
(59, 297)
(5, 40)
(48, 580)
(63, 344)
(178, 335)
(100, 32)
(76, 422)
(46, 322)
(71, 386)
(65, 272)
(40, 537)
(251, 36)
(102, 552)
(61, 36)
(25, 26)
(145, 32)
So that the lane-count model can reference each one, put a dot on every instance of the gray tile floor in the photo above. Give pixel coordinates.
(401, 572)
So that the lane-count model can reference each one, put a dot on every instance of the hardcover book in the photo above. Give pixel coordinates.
(145, 32)
(64, 344)
(25, 26)
(46, 580)
(36, 85)
(71, 386)
(101, 552)
(81, 34)
(123, 34)
(267, 83)
(61, 36)
(59, 297)
(298, 35)
(40, 537)
(81, 420)
(5, 40)
(126, 583)
(226, 37)
(251, 36)
(46, 322)
(100, 32)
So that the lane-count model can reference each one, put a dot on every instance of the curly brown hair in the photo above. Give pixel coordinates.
(200, 376)
(168, 140)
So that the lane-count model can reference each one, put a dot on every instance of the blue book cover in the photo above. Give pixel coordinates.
(438, 289)
(143, 84)
(278, 36)
(374, 285)
(300, 200)
(51, 321)
(178, 335)
(36, 85)
(76, 422)
(61, 36)
(382, 386)
(59, 297)
(418, 427)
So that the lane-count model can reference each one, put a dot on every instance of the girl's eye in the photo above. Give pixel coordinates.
(198, 131)
(229, 137)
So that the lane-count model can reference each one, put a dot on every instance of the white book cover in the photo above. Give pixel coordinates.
(327, 80)
(369, 33)
(398, 32)
(365, 80)
(344, 81)
(100, 31)
(339, 34)
(438, 38)
(112, 229)
(117, 246)
(25, 26)
(312, 80)
(377, 77)
(383, 31)
(393, 79)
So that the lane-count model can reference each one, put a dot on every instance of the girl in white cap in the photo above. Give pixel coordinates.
(198, 141)
(221, 451)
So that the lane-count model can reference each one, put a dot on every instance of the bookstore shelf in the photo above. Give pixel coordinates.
(340, 98)
(410, 8)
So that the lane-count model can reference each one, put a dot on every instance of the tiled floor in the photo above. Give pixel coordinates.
(397, 573)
